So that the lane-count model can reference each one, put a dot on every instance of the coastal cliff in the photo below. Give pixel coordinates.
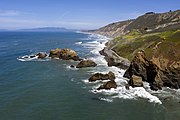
(151, 42)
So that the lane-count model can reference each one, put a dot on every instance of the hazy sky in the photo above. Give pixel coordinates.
(80, 14)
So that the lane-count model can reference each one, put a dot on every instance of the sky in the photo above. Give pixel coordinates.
(76, 14)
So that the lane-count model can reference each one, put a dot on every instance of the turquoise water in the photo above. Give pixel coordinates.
(51, 90)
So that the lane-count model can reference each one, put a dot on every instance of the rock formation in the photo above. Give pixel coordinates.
(100, 76)
(108, 85)
(41, 55)
(113, 59)
(109, 76)
(64, 54)
(136, 81)
(157, 74)
(68, 54)
(86, 63)
(55, 53)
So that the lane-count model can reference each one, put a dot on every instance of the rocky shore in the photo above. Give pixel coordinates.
(147, 50)
(113, 59)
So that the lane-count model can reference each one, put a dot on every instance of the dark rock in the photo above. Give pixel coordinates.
(32, 56)
(72, 66)
(157, 73)
(55, 53)
(112, 62)
(86, 63)
(100, 76)
(154, 87)
(41, 55)
(111, 75)
(136, 81)
(108, 85)
(127, 86)
(140, 70)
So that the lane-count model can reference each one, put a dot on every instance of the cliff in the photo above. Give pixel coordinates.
(151, 42)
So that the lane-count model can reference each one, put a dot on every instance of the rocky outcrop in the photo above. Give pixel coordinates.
(108, 85)
(86, 63)
(64, 54)
(68, 54)
(41, 55)
(136, 81)
(55, 53)
(109, 76)
(154, 71)
(113, 59)
(100, 76)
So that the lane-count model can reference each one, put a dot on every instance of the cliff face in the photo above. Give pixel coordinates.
(152, 44)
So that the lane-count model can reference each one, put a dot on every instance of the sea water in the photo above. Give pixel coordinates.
(49, 89)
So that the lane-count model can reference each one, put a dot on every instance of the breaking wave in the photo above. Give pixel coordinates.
(32, 57)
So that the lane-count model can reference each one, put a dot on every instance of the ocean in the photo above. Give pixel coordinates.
(49, 89)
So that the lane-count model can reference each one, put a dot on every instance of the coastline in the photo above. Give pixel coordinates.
(112, 58)
(162, 96)
(121, 91)
(97, 43)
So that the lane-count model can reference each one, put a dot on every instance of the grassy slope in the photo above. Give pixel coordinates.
(165, 44)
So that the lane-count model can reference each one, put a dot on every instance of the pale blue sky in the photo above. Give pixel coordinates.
(78, 14)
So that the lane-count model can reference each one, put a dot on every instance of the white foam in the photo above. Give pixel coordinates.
(132, 93)
(71, 68)
(32, 57)
(106, 99)
(99, 60)
(78, 43)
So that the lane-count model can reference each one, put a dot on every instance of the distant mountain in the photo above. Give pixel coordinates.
(48, 29)
(3, 30)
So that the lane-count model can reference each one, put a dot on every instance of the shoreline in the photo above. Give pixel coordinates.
(112, 58)
(121, 91)
(108, 53)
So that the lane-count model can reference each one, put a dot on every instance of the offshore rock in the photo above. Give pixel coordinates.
(86, 63)
(64, 54)
(68, 54)
(55, 53)
(108, 85)
(100, 76)
(41, 55)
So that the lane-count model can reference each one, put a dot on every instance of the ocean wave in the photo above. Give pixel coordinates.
(68, 67)
(106, 99)
(78, 43)
(121, 91)
(32, 57)
(132, 93)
